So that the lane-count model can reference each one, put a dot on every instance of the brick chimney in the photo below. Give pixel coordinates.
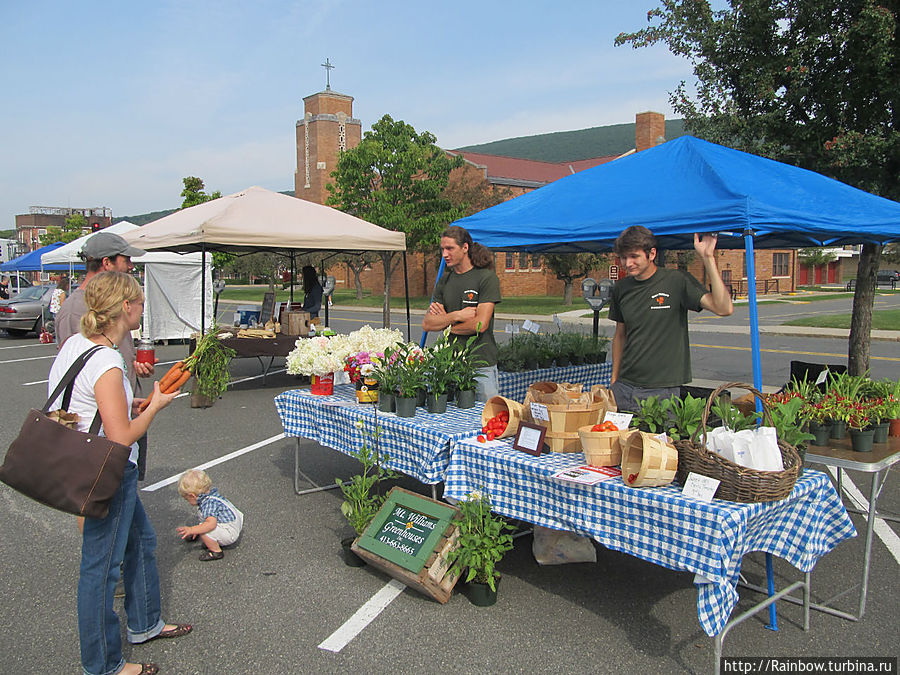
(649, 130)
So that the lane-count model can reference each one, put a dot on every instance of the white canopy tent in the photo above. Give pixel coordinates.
(172, 284)
(257, 219)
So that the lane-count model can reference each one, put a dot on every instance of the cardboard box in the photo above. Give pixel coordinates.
(295, 323)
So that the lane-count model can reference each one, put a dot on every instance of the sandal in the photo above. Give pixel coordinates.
(149, 669)
(212, 555)
(179, 630)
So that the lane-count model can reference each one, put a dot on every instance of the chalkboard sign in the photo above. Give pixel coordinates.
(268, 308)
(407, 529)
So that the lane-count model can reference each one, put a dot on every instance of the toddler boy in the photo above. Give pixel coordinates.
(220, 520)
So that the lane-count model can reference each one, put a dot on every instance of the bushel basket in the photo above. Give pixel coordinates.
(738, 483)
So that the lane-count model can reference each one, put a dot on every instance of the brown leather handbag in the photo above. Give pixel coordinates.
(63, 468)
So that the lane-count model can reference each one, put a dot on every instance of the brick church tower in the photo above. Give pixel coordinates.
(327, 128)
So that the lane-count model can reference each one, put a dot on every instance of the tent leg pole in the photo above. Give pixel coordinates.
(293, 273)
(202, 290)
(406, 289)
(440, 273)
(757, 382)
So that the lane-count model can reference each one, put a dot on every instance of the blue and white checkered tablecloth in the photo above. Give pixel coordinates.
(514, 386)
(417, 446)
(659, 525)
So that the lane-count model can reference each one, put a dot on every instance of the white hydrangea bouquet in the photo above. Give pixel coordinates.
(323, 355)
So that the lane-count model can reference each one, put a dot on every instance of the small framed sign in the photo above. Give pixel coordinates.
(530, 438)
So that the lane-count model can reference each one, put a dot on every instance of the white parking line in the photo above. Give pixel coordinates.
(882, 529)
(220, 460)
(363, 617)
(32, 358)
(36, 344)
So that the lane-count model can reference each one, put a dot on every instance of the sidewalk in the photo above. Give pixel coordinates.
(577, 317)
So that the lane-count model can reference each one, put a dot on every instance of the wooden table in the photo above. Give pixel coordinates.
(260, 348)
(877, 462)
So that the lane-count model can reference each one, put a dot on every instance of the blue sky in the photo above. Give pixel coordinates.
(113, 103)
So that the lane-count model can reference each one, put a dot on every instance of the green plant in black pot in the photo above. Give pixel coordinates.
(466, 363)
(731, 417)
(482, 541)
(653, 415)
(686, 416)
(362, 499)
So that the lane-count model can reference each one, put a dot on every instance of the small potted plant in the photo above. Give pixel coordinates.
(362, 499)
(410, 379)
(686, 416)
(465, 371)
(439, 361)
(859, 423)
(385, 373)
(482, 544)
(787, 418)
(653, 416)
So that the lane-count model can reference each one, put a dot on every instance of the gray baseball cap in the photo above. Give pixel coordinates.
(108, 245)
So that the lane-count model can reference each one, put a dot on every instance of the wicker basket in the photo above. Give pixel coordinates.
(738, 483)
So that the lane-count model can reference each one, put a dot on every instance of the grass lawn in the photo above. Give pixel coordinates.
(884, 319)
(537, 305)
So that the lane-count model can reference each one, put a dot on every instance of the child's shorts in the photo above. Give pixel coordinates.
(228, 533)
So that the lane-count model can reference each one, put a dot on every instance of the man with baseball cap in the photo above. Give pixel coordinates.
(105, 252)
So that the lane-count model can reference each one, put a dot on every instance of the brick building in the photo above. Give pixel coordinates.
(328, 127)
(34, 224)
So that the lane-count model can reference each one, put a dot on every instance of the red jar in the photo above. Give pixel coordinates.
(145, 353)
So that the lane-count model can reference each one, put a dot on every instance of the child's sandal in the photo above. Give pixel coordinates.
(212, 555)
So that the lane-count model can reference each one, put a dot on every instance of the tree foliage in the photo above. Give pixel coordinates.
(76, 225)
(395, 178)
(571, 266)
(812, 83)
(193, 194)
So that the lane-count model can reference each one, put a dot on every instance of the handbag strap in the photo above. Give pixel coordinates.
(68, 383)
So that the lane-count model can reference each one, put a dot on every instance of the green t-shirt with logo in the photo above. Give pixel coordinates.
(455, 291)
(657, 349)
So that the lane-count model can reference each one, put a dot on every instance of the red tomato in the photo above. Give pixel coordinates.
(490, 435)
(597, 427)
(480, 438)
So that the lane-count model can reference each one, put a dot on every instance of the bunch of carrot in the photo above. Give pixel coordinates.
(173, 380)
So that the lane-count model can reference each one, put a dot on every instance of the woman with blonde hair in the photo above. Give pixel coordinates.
(125, 537)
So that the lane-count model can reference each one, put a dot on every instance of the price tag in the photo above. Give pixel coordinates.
(509, 327)
(540, 412)
(531, 326)
(700, 487)
(515, 329)
(662, 438)
(822, 377)
(620, 419)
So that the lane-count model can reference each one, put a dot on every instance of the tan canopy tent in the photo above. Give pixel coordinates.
(257, 219)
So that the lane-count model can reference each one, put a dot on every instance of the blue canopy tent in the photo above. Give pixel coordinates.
(684, 186)
(31, 262)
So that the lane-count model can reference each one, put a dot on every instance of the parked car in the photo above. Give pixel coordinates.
(26, 311)
(888, 275)
(16, 282)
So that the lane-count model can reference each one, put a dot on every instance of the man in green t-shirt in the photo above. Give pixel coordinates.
(651, 350)
(464, 299)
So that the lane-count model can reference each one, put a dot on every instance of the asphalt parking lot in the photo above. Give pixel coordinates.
(283, 590)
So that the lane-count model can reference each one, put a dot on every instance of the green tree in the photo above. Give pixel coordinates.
(395, 178)
(809, 82)
(75, 226)
(570, 266)
(813, 257)
(193, 194)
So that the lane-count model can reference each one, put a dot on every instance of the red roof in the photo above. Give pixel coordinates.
(530, 170)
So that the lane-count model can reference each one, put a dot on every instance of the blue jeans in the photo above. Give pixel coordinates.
(629, 397)
(124, 537)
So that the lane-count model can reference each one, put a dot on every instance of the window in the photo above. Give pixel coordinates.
(523, 261)
(536, 263)
(510, 261)
(726, 277)
(744, 265)
(781, 264)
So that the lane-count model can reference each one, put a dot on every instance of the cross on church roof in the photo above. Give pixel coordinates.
(328, 68)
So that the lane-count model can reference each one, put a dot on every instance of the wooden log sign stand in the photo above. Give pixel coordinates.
(410, 538)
